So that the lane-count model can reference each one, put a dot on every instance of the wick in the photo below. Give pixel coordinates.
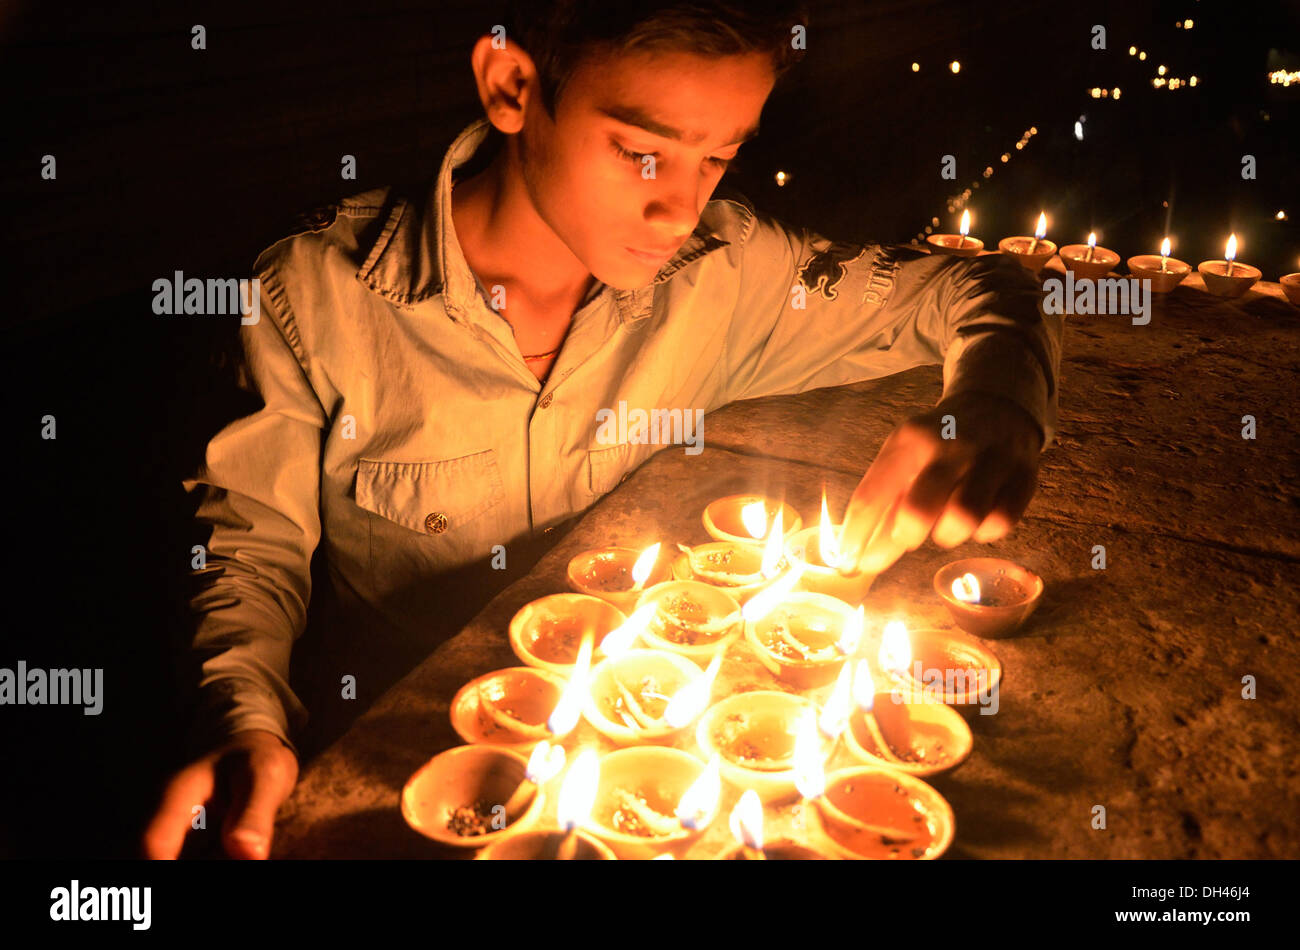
(1033, 246)
(1229, 274)
(1164, 263)
(961, 240)
(567, 850)
(878, 738)
(520, 800)
(1088, 257)
(753, 854)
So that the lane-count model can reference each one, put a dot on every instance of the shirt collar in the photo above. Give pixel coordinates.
(417, 256)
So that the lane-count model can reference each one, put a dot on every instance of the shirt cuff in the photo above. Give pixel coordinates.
(998, 362)
(228, 706)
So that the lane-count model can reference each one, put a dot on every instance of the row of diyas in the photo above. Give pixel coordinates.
(647, 799)
(1226, 278)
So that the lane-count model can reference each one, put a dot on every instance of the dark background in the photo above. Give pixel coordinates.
(171, 158)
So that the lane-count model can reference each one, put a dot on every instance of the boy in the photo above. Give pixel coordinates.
(432, 367)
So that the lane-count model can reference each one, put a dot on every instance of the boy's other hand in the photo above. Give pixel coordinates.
(976, 485)
(253, 772)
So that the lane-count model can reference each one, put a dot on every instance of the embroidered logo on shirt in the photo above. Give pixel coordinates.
(884, 268)
(825, 269)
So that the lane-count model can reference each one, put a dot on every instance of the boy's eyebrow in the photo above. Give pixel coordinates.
(631, 115)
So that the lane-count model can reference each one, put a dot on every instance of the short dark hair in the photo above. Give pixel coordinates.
(558, 34)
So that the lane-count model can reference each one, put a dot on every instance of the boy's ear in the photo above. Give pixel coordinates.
(506, 78)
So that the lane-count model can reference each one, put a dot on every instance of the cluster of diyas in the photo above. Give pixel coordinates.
(1224, 278)
(636, 652)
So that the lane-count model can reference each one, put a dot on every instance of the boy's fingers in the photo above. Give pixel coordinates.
(972, 501)
(925, 501)
(1013, 499)
(166, 833)
(259, 785)
(890, 474)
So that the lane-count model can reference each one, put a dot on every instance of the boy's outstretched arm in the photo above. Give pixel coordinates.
(260, 484)
(812, 313)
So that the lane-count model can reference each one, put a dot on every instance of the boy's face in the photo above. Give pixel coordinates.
(587, 171)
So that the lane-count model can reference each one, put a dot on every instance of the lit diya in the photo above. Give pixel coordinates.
(941, 666)
(632, 695)
(507, 707)
(653, 801)
(873, 813)
(458, 798)
(746, 518)
(958, 244)
(754, 736)
(1031, 252)
(538, 845)
(816, 551)
(746, 824)
(1088, 261)
(1164, 272)
(988, 596)
(617, 575)
(690, 618)
(804, 639)
(740, 568)
(547, 633)
(916, 738)
(1227, 278)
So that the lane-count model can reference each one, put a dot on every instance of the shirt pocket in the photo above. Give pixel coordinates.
(443, 498)
(606, 468)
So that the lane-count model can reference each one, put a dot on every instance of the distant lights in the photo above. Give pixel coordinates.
(1160, 70)
(1282, 77)
(955, 66)
(916, 67)
(1142, 55)
(781, 179)
(1132, 50)
(1281, 215)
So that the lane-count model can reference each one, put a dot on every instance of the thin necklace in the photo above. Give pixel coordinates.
(543, 356)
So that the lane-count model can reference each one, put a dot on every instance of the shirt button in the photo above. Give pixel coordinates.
(546, 401)
(435, 522)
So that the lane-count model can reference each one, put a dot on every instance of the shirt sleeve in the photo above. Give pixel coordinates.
(259, 488)
(812, 312)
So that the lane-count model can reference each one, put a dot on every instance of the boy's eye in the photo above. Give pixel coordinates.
(638, 158)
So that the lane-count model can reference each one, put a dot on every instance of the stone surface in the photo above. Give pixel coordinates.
(1124, 689)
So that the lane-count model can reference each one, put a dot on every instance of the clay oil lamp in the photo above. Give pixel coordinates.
(754, 734)
(458, 798)
(746, 824)
(617, 575)
(741, 569)
(805, 638)
(958, 244)
(507, 707)
(745, 518)
(988, 596)
(816, 550)
(548, 632)
(874, 813)
(1227, 278)
(653, 801)
(917, 738)
(1032, 252)
(647, 696)
(1291, 287)
(690, 618)
(941, 666)
(1164, 272)
(1088, 261)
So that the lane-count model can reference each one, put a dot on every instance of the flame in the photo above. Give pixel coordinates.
(620, 639)
(773, 548)
(835, 714)
(852, 635)
(565, 714)
(746, 820)
(578, 793)
(1041, 231)
(761, 604)
(826, 540)
(645, 564)
(809, 776)
(895, 648)
(1231, 252)
(967, 588)
(1092, 238)
(754, 517)
(965, 223)
(545, 763)
(1164, 248)
(700, 803)
(864, 687)
(666, 856)
(693, 698)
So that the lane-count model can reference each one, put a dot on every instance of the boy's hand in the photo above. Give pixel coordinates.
(975, 485)
(253, 771)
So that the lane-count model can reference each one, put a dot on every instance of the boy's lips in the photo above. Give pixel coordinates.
(652, 257)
